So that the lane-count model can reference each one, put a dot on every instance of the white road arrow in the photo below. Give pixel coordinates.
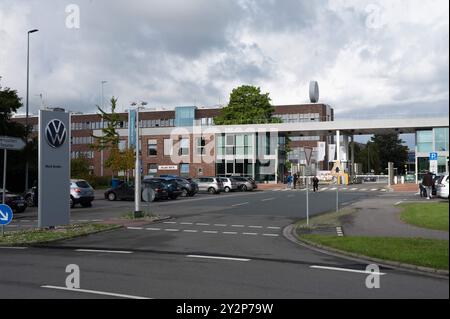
(4, 217)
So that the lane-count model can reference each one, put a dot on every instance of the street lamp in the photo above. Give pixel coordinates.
(137, 166)
(101, 151)
(26, 111)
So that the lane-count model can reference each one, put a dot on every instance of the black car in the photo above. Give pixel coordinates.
(31, 197)
(187, 185)
(172, 187)
(15, 201)
(125, 191)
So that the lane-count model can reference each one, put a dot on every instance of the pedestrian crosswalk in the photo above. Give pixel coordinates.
(333, 189)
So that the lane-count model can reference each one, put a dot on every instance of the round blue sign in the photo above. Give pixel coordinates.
(6, 214)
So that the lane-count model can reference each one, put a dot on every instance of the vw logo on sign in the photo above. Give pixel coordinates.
(55, 133)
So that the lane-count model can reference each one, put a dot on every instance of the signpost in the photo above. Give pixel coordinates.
(12, 144)
(434, 162)
(308, 153)
(337, 171)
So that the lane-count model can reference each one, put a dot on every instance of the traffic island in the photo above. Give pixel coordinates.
(40, 236)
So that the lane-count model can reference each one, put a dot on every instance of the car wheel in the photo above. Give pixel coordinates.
(211, 190)
(185, 193)
(244, 188)
(87, 204)
(227, 189)
(29, 200)
(72, 204)
(112, 197)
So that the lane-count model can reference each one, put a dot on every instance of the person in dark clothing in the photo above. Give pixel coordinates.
(315, 184)
(427, 182)
(295, 179)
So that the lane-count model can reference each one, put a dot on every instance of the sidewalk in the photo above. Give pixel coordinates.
(380, 217)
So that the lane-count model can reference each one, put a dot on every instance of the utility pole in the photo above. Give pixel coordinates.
(101, 151)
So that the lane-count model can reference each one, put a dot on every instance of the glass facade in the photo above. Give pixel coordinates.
(424, 141)
(185, 115)
(441, 139)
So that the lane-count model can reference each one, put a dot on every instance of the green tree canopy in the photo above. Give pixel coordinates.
(10, 102)
(247, 105)
(79, 167)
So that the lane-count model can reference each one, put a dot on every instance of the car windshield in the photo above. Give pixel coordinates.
(82, 184)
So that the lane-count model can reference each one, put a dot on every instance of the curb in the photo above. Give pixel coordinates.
(289, 233)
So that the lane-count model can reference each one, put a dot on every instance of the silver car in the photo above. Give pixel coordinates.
(245, 183)
(228, 184)
(212, 185)
(81, 193)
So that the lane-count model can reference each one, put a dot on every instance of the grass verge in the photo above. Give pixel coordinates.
(426, 215)
(431, 253)
(38, 236)
(139, 216)
(332, 219)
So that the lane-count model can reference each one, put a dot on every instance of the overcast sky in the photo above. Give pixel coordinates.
(369, 57)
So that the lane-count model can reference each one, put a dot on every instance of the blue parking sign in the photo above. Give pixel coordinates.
(433, 156)
(6, 214)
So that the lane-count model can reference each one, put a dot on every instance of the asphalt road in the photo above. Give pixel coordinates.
(226, 246)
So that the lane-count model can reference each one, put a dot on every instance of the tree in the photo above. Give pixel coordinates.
(110, 137)
(79, 167)
(247, 105)
(390, 148)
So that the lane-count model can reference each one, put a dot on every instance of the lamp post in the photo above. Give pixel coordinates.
(26, 111)
(137, 166)
(101, 151)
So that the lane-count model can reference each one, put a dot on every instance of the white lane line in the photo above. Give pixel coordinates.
(150, 228)
(217, 257)
(95, 292)
(97, 220)
(240, 204)
(255, 227)
(345, 188)
(383, 190)
(237, 226)
(374, 189)
(348, 270)
(398, 203)
(186, 223)
(190, 231)
(325, 188)
(169, 222)
(104, 251)
(202, 224)
(220, 225)
(267, 199)
(210, 231)
(135, 228)
(229, 232)
(18, 248)
(333, 189)
(171, 229)
(273, 227)
(252, 234)
(353, 189)
(272, 235)
(363, 189)
(82, 220)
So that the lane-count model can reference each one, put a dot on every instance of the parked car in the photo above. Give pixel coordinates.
(15, 201)
(171, 186)
(229, 184)
(442, 187)
(81, 193)
(188, 187)
(211, 185)
(245, 183)
(125, 191)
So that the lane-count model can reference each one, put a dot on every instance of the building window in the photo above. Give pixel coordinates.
(184, 146)
(152, 148)
(424, 141)
(168, 147)
(200, 145)
(441, 139)
(184, 170)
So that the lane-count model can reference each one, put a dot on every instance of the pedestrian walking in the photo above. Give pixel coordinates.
(295, 179)
(289, 181)
(428, 184)
(315, 184)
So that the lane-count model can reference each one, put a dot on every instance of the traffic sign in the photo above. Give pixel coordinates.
(433, 156)
(6, 214)
(11, 143)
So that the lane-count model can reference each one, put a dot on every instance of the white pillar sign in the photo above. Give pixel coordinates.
(54, 168)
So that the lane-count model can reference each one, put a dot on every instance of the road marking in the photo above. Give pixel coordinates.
(374, 189)
(18, 248)
(339, 231)
(267, 199)
(169, 222)
(348, 270)
(398, 203)
(220, 225)
(97, 220)
(237, 226)
(273, 227)
(171, 229)
(333, 189)
(210, 231)
(186, 223)
(345, 188)
(273, 235)
(217, 257)
(241, 204)
(325, 188)
(229, 232)
(202, 224)
(95, 292)
(104, 251)
(150, 228)
(25, 220)
(363, 189)
(252, 234)
(255, 226)
(190, 231)
(135, 228)
(82, 220)
(353, 189)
